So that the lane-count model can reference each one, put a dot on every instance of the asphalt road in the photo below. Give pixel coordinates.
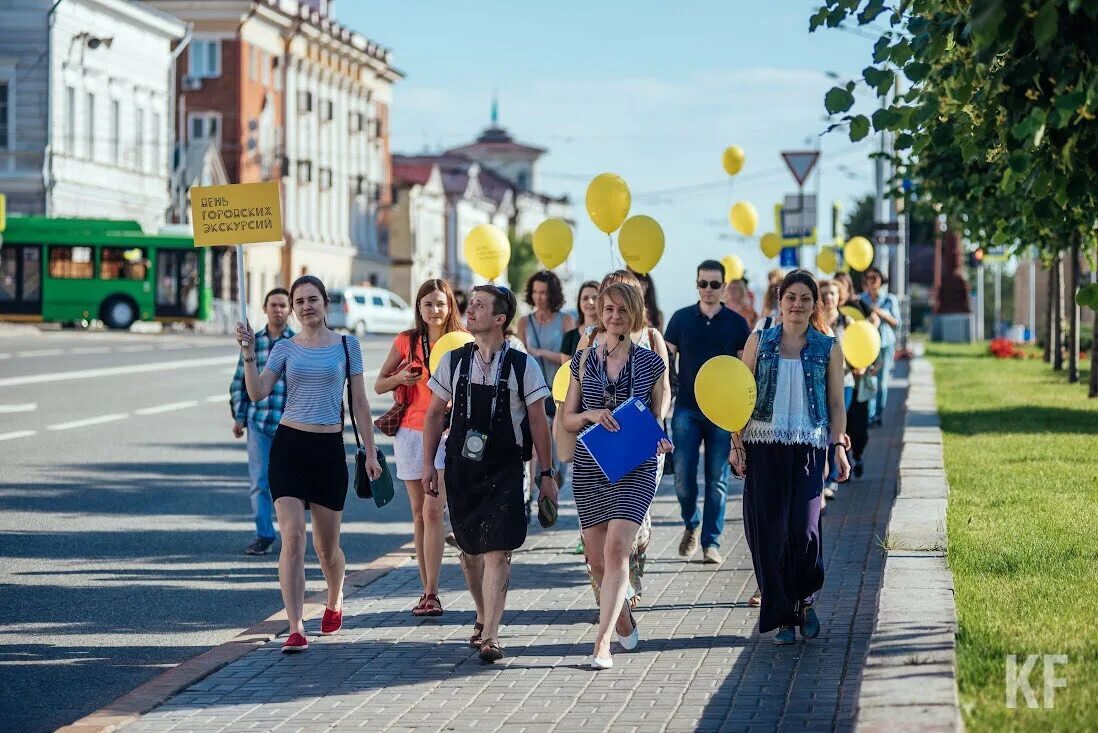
(124, 514)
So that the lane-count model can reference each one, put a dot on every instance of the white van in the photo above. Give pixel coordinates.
(368, 310)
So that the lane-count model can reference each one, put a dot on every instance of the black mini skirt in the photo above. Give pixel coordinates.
(308, 466)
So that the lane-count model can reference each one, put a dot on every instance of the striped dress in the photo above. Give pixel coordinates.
(597, 500)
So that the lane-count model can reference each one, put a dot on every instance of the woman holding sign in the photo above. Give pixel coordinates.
(798, 416)
(406, 371)
(604, 377)
(308, 465)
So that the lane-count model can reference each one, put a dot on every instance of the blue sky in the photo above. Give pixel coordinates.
(650, 92)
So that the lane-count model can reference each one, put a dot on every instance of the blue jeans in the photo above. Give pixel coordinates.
(259, 450)
(690, 430)
(877, 404)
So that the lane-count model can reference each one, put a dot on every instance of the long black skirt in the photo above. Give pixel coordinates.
(781, 519)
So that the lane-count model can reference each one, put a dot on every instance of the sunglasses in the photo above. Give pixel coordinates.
(712, 284)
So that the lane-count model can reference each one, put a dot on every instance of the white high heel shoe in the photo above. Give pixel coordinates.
(629, 643)
(601, 662)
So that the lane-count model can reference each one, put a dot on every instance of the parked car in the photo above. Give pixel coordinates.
(364, 310)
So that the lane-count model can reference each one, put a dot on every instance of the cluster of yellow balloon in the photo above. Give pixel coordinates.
(826, 261)
(733, 268)
(448, 342)
(608, 201)
(552, 242)
(732, 160)
(725, 391)
(771, 245)
(560, 383)
(744, 217)
(861, 344)
(487, 250)
(858, 253)
(641, 243)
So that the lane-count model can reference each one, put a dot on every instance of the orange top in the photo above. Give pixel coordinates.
(421, 393)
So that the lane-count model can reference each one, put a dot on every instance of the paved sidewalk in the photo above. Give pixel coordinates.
(700, 666)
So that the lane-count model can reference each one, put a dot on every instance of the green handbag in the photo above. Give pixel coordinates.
(381, 489)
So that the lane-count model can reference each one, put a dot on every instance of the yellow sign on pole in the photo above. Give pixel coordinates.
(3, 212)
(241, 213)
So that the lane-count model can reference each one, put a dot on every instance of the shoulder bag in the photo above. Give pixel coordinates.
(565, 440)
(381, 490)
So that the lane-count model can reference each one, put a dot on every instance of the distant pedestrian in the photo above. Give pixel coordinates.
(259, 420)
(586, 306)
(497, 423)
(736, 297)
(695, 335)
(886, 308)
(652, 312)
(836, 324)
(405, 372)
(308, 464)
(782, 452)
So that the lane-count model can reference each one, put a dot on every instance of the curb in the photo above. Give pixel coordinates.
(156, 691)
(910, 679)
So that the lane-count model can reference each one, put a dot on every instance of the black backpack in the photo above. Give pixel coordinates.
(514, 361)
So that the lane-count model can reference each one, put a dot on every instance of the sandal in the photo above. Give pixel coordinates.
(490, 651)
(417, 610)
(432, 606)
(475, 641)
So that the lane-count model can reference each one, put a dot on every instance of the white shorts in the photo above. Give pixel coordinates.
(408, 450)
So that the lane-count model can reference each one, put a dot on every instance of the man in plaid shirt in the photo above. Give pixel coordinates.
(260, 419)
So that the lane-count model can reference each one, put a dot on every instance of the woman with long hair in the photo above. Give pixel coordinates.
(736, 297)
(611, 513)
(652, 310)
(308, 465)
(782, 451)
(770, 307)
(836, 323)
(406, 371)
(587, 308)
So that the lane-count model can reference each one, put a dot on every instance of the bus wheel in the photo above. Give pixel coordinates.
(118, 312)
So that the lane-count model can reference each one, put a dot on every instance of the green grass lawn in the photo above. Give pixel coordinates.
(1021, 453)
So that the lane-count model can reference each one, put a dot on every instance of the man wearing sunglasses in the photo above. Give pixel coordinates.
(695, 335)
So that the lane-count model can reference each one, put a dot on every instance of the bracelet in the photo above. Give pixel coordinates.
(248, 360)
(839, 445)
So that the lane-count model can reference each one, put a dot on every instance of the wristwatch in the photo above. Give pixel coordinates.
(548, 473)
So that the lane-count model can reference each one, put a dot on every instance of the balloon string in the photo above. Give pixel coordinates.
(610, 239)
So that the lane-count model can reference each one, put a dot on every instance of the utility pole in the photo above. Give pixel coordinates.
(979, 300)
(998, 299)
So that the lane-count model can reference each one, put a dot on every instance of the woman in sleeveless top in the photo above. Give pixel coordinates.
(611, 513)
(308, 465)
(783, 450)
(406, 371)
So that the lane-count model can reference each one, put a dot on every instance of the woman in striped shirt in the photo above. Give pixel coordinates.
(308, 465)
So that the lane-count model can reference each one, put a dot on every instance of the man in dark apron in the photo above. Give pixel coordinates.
(498, 419)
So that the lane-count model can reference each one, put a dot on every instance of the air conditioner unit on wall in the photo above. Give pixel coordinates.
(192, 83)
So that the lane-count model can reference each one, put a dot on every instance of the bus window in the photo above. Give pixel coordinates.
(167, 279)
(188, 286)
(32, 274)
(71, 263)
(9, 274)
(116, 263)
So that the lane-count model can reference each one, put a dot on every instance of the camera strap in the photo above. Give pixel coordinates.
(497, 380)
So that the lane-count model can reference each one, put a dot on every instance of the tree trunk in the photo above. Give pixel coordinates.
(1057, 296)
(1073, 316)
(1050, 316)
(1093, 391)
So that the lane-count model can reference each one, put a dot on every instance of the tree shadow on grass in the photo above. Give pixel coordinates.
(1029, 419)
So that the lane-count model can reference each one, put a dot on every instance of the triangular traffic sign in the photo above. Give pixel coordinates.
(800, 163)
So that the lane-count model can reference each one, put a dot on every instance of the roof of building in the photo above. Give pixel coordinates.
(411, 172)
(497, 139)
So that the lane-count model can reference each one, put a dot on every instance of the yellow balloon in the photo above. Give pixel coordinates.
(744, 217)
(560, 383)
(852, 313)
(826, 261)
(771, 245)
(448, 342)
(861, 344)
(552, 242)
(608, 201)
(732, 159)
(487, 250)
(858, 253)
(640, 242)
(733, 268)
(725, 391)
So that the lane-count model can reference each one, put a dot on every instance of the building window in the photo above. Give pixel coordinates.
(358, 121)
(276, 75)
(205, 126)
(325, 179)
(204, 61)
(71, 263)
(375, 127)
(154, 143)
(122, 264)
(116, 133)
(70, 120)
(326, 109)
(265, 68)
(139, 139)
(304, 171)
(358, 185)
(5, 111)
(304, 102)
(253, 63)
(89, 124)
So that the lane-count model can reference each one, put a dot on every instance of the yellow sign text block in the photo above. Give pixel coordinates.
(241, 213)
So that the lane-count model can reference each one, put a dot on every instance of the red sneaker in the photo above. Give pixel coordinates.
(296, 643)
(331, 623)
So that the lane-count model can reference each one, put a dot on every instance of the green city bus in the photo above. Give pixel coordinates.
(79, 270)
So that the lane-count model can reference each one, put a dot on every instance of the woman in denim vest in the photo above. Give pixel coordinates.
(799, 415)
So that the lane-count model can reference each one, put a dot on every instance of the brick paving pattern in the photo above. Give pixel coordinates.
(700, 665)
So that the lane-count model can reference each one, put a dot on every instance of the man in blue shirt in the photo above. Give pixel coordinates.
(885, 307)
(260, 419)
(696, 334)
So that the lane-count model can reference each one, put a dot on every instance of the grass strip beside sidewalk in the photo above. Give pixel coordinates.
(1021, 454)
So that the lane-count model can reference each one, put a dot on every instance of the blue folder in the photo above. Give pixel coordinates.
(619, 453)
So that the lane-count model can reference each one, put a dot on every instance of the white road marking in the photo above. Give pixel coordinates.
(88, 421)
(40, 352)
(25, 407)
(91, 350)
(217, 397)
(166, 408)
(174, 347)
(133, 349)
(117, 371)
(5, 356)
(17, 434)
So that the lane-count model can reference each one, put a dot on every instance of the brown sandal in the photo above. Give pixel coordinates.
(417, 610)
(432, 606)
(475, 641)
(490, 651)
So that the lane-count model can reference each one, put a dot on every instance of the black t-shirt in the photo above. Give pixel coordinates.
(698, 339)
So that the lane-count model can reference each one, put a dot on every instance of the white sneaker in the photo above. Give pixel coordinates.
(601, 662)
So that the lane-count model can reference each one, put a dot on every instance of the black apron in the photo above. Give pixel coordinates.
(485, 497)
